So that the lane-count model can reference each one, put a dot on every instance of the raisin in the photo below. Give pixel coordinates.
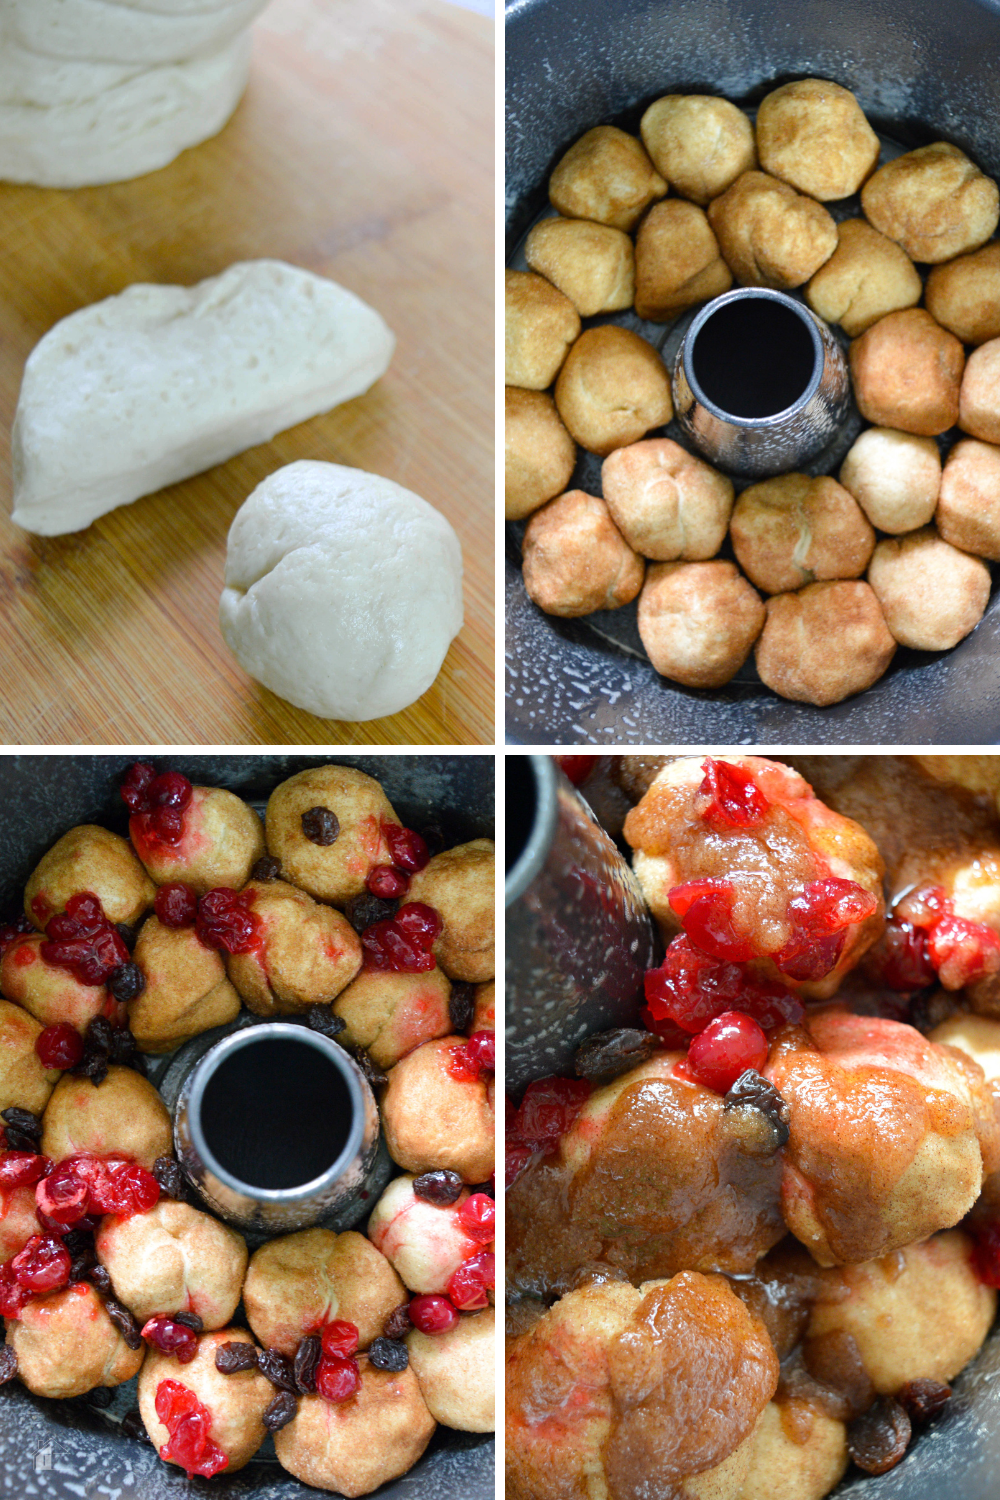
(923, 1399)
(97, 1037)
(100, 1397)
(8, 1363)
(929, 1008)
(134, 1427)
(24, 1121)
(388, 1354)
(398, 1323)
(79, 1242)
(190, 1320)
(441, 1187)
(611, 1053)
(751, 1091)
(18, 1140)
(322, 1019)
(878, 1440)
(127, 934)
(321, 826)
(127, 982)
(230, 1359)
(278, 1370)
(100, 1277)
(266, 869)
(365, 910)
(122, 1046)
(307, 1358)
(81, 1266)
(433, 837)
(168, 1173)
(280, 1411)
(374, 1075)
(461, 1005)
(123, 1321)
(93, 1065)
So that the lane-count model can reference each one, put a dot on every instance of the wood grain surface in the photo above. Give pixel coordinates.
(363, 150)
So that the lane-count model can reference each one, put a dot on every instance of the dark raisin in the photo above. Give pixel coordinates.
(97, 1037)
(609, 1054)
(134, 1427)
(877, 1440)
(8, 1363)
(190, 1320)
(441, 1187)
(93, 1065)
(321, 1018)
(79, 1242)
(100, 1397)
(81, 1267)
(388, 1354)
(100, 1277)
(321, 826)
(169, 1175)
(374, 1075)
(18, 1141)
(923, 1399)
(23, 1120)
(929, 1008)
(398, 1323)
(433, 837)
(123, 1321)
(278, 1370)
(137, 1063)
(751, 1092)
(307, 1357)
(280, 1411)
(266, 869)
(461, 1005)
(127, 934)
(365, 910)
(230, 1359)
(122, 1045)
(127, 982)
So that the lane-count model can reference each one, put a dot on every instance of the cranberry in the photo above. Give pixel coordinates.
(962, 951)
(43, 1264)
(11, 931)
(576, 768)
(387, 883)
(548, 1109)
(134, 789)
(986, 1254)
(726, 1048)
(516, 1157)
(13, 1295)
(705, 908)
(402, 944)
(408, 850)
(226, 921)
(339, 1339)
(477, 1216)
(133, 1190)
(902, 960)
(19, 1168)
(171, 1337)
(474, 1058)
(432, 1314)
(169, 790)
(469, 1285)
(189, 1424)
(82, 940)
(819, 917)
(176, 905)
(689, 989)
(730, 798)
(337, 1378)
(62, 1196)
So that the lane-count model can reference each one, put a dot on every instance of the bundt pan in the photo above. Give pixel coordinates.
(64, 1450)
(922, 71)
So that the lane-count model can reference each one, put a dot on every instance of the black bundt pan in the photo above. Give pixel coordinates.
(922, 70)
(58, 1450)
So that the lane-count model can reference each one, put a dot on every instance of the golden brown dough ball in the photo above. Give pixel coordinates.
(591, 264)
(52, 995)
(89, 858)
(236, 1403)
(484, 1015)
(677, 261)
(933, 201)
(700, 144)
(698, 621)
(540, 324)
(66, 1344)
(769, 234)
(434, 1119)
(124, 1115)
(459, 884)
(174, 1259)
(390, 1014)
(979, 397)
(931, 594)
(455, 1372)
(613, 389)
(424, 1242)
(19, 1221)
(666, 503)
(23, 1080)
(968, 510)
(866, 277)
(221, 841)
(539, 454)
(793, 530)
(187, 991)
(796, 656)
(907, 371)
(575, 559)
(801, 1459)
(813, 135)
(894, 476)
(334, 871)
(964, 295)
(306, 953)
(606, 175)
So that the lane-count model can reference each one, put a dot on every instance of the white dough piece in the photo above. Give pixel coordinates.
(28, 77)
(161, 382)
(105, 31)
(343, 590)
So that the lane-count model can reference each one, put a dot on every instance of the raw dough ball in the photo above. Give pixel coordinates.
(431, 1119)
(52, 995)
(221, 840)
(964, 295)
(331, 872)
(979, 397)
(455, 1372)
(389, 1014)
(299, 1282)
(97, 28)
(794, 530)
(539, 454)
(699, 144)
(23, 1080)
(123, 1115)
(18, 1220)
(907, 371)
(306, 955)
(666, 503)
(343, 590)
(613, 389)
(800, 1461)
(66, 1344)
(459, 884)
(769, 234)
(592, 264)
(813, 135)
(575, 559)
(540, 325)
(186, 992)
(866, 277)
(934, 202)
(931, 594)
(968, 511)
(236, 1402)
(698, 621)
(794, 655)
(355, 1446)
(895, 478)
(424, 1242)
(605, 175)
(677, 261)
(91, 859)
(174, 1259)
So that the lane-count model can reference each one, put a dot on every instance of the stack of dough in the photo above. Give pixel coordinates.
(95, 91)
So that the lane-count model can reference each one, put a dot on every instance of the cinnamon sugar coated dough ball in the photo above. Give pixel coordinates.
(306, 955)
(894, 476)
(425, 1242)
(666, 503)
(455, 1372)
(336, 871)
(540, 324)
(933, 201)
(299, 1281)
(484, 1013)
(354, 1446)
(432, 1120)
(813, 135)
(23, 1081)
(50, 994)
(221, 841)
(539, 454)
(979, 397)
(606, 175)
(799, 1460)
(123, 1114)
(698, 621)
(459, 884)
(89, 858)
(66, 1344)
(236, 1402)
(700, 144)
(575, 559)
(187, 991)
(174, 1259)
(794, 655)
(866, 277)
(677, 261)
(968, 511)
(389, 1014)
(906, 371)
(19, 1221)
(592, 264)
(794, 530)
(769, 234)
(931, 594)
(964, 295)
(613, 389)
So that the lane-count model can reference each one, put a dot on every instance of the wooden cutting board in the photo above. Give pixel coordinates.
(363, 150)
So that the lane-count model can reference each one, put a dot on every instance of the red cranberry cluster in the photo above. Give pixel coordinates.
(225, 920)
(576, 768)
(171, 1336)
(338, 1375)
(82, 940)
(157, 803)
(84, 1187)
(402, 944)
(59, 1046)
(474, 1058)
(409, 854)
(924, 940)
(189, 1424)
(176, 904)
(690, 989)
(547, 1110)
(728, 797)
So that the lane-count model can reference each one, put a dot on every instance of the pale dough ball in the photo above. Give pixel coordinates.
(933, 201)
(540, 324)
(964, 295)
(698, 621)
(700, 144)
(794, 530)
(220, 841)
(50, 994)
(539, 454)
(907, 371)
(424, 1242)
(186, 992)
(236, 1402)
(432, 1120)
(592, 264)
(769, 234)
(123, 1115)
(18, 1221)
(389, 1014)
(66, 1344)
(894, 476)
(931, 594)
(331, 872)
(798, 1453)
(794, 656)
(174, 1259)
(968, 510)
(575, 559)
(677, 261)
(343, 590)
(866, 277)
(484, 1014)
(305, 955)
(455, 1372)
(459, 884)
(977, 1036)
(666, 503)
(979, 397)
(88, 858)
(813, 135)
(613, 389)
(23, 1080)
(605, 175)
